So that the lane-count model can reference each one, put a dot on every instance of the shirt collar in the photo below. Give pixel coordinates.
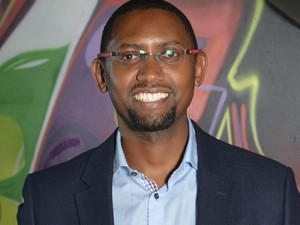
(190, 155)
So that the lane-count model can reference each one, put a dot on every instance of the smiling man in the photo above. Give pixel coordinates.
(158, 167)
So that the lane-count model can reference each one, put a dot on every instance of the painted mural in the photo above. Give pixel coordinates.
(51, 111)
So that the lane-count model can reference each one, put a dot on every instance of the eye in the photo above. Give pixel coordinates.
(129, 56)
(169, 56)
(169, 53)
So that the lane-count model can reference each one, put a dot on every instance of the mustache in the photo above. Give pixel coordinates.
(151, 85)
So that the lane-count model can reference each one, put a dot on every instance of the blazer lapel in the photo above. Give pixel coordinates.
(94, 204)
(215, 183)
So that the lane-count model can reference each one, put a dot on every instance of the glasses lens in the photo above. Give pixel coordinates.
(131, 58)
(128, 57)
(169, 56)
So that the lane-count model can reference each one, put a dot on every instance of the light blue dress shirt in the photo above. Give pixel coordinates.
(137, 201)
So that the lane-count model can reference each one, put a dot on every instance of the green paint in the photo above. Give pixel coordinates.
(26, 85)
(11, 147)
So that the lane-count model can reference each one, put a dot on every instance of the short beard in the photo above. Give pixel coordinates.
(150, 124)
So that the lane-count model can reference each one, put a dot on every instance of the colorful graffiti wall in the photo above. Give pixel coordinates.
(51, 111)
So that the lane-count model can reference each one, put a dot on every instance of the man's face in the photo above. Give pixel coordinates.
(151, 95)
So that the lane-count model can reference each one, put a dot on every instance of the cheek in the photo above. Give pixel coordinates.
(182, 79)
(185, 79)
(119, 84)
(117, 80)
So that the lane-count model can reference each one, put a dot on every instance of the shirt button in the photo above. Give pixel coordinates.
(133, 174)
(156, 196)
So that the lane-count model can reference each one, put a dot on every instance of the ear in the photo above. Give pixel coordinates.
(200, 68)
(97, 69)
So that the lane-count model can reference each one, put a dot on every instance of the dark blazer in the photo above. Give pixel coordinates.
(235, 187)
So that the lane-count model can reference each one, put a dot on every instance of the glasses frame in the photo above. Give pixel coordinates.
(184, 52)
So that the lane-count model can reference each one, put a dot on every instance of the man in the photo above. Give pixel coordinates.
(158, 167)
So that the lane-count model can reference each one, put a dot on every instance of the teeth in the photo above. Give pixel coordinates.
(150, 97)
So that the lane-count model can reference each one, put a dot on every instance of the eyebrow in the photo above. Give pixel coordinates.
(161, 44)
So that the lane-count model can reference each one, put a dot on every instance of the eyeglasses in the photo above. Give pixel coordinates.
(166, 56)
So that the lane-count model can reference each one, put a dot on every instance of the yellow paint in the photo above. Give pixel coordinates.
(7, 11)
(226, 122)
(248, 81)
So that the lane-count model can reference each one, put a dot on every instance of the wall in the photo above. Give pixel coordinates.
(50, 109)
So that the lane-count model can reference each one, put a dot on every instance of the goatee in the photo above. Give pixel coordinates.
(150, 124)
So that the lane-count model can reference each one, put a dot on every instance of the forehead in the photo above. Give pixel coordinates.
(149, 26)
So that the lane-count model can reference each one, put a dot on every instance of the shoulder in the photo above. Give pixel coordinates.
(60, 177)
(241, 161)
(253, 177)
(71, 170)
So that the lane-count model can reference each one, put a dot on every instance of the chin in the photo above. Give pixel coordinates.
(151, 123)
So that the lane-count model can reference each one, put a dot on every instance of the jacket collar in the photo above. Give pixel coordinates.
(94, 204)
(214, 182)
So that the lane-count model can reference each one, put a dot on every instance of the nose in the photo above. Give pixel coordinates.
(150, 70)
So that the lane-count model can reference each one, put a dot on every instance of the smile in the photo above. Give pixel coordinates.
(150, 97)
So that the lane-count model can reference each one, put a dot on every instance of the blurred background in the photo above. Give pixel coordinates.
(51, 111)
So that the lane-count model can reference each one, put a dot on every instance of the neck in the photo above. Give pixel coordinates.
(156, 154)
